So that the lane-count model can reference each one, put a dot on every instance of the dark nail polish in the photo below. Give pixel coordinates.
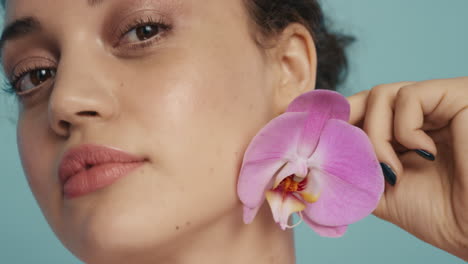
(390, 176)
(425, 154)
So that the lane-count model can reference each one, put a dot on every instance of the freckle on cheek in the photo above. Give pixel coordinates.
(177, 227)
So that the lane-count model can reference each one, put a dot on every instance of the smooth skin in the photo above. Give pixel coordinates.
(189, 100)
(182, 102)
(430, 198)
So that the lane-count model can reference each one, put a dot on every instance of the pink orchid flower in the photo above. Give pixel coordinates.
(311, 161)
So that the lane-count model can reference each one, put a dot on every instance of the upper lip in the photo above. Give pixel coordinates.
(85, 156)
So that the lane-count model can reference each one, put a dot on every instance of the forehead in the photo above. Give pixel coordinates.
(57, 19)
(19, 8)
(60, 14)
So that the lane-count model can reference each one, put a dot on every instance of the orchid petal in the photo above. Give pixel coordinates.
(269, 150)
(278, 138)
(325, 231)
(321, 105)
(330, 104)
(312, 139)
(283, 207)
(311, 193)
(250, 213)
(352, 178)
(292, 167)
(255, 178)
(310, 133)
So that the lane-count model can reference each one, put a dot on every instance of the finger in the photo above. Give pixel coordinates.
(459, 128)
(423, 103)
(378, 124)
(358, 103)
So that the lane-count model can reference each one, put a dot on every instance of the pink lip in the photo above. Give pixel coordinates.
(88, 167)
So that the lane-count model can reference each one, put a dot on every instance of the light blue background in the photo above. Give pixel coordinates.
(398, 40)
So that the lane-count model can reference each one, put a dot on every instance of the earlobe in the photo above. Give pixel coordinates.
(296, 57)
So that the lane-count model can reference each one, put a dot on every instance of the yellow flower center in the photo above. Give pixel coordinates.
(289, 186)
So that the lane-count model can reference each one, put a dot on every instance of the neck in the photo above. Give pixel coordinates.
(229, 240)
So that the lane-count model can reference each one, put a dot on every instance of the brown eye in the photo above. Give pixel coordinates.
(40, 76)
(33, 79)
(146, 32)
(142, 33)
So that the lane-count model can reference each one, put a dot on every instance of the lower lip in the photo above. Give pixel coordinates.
(97, 178)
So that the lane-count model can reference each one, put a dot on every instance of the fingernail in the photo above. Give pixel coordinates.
(425, 154)
(390, 176)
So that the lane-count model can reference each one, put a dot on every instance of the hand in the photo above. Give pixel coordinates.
(429, 199)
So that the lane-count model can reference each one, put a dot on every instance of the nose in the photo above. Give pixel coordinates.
(82, 94)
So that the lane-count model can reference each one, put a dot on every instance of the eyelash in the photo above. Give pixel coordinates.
(139, 22)
(10, 86)
(163, 27)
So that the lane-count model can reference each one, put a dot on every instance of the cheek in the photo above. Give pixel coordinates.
(37, 152)
(203, 114)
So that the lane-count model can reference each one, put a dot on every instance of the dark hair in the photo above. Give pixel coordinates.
(272, 16)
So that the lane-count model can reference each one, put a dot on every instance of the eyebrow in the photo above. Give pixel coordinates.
(93, 3)
(19, 28)
(22, 27)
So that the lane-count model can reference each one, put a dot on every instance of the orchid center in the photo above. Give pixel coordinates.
(288, 197)
(291, 184)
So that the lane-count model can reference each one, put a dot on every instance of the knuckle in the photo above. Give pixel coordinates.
(405, 95)
(461, 118)
(379, 90)
(399, 134)
(364, 93)
(405, 92)
(385, 90)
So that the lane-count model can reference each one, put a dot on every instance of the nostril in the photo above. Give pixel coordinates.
(88, 113)
(64, 124)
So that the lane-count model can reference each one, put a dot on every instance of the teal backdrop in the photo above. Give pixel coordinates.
(397, 40)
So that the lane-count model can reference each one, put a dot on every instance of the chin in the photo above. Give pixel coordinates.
(126, 236)
(112, 227)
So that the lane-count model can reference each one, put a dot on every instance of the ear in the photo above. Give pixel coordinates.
(296, 58)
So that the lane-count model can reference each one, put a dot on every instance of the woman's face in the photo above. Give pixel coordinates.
(188, 97)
